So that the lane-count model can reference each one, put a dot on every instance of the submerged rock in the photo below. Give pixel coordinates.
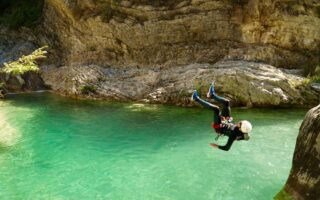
(304, 179)
(245, 83)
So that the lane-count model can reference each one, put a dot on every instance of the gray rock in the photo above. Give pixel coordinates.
(245, 83)
(315, 86)
(304, 179)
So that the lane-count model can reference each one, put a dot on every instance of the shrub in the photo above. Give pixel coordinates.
(2, 86)
(25, 63)
(315, 75)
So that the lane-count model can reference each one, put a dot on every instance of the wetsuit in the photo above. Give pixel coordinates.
(221, 121)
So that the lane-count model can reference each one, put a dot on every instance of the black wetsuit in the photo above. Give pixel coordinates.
(228, 129)
(233, 132)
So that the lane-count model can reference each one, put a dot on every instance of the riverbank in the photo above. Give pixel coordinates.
(248, 84)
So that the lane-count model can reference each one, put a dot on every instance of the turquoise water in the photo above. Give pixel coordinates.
(58, 148)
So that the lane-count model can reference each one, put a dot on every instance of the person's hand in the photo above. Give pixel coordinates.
(214, 145)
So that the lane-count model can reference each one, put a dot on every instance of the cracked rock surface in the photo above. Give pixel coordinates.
(245, 83)
(304, 180)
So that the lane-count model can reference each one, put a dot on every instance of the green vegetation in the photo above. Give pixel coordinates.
(2, 86)
(2, 89)
(16, 13)
(282, 195)
(88, 89)
(107, 13)
(25, 63)
(312, 74)
(315, 78)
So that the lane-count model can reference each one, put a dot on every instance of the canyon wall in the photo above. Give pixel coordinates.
(258, 52)
(169, 33)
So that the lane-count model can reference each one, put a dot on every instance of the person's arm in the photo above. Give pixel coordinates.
(244, 136)
(227, 146)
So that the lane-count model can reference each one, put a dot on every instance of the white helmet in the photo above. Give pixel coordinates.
(245, 127)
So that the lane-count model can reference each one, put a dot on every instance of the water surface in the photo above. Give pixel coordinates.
(71, 149)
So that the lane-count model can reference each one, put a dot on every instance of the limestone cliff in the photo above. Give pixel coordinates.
(304, 179)
(159, 50)
(169, 33)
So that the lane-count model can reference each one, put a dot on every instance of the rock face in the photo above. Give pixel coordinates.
(159, 51)
(179, 32)
(246, 83)
(304, 179)
(14, 44)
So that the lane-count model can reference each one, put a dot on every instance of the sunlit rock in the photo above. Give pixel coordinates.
(244, 83)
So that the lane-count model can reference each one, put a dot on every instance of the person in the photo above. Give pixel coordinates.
(222, 120)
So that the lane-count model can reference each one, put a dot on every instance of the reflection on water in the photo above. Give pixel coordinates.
(8, 134)
(139, 107)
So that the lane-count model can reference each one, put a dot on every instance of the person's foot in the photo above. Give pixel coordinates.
(194, 95)
(211, 90)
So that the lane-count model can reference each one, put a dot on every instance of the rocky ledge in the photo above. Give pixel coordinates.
(304, 179)
(244, 83)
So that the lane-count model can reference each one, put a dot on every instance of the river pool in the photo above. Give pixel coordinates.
(59, 148)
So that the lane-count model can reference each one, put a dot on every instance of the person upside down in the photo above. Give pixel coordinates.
(222, 120)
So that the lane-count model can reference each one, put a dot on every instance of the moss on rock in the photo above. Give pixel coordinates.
(283, 195)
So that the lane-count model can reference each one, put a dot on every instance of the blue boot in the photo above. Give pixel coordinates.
(211, 91)
(194, 95)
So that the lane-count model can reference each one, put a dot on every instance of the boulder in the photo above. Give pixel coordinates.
(304, 179)
(244, 83)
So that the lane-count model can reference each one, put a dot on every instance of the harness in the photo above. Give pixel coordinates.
(226, 122)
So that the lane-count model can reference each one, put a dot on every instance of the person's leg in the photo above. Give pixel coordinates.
(226, 110)
(214, 108)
